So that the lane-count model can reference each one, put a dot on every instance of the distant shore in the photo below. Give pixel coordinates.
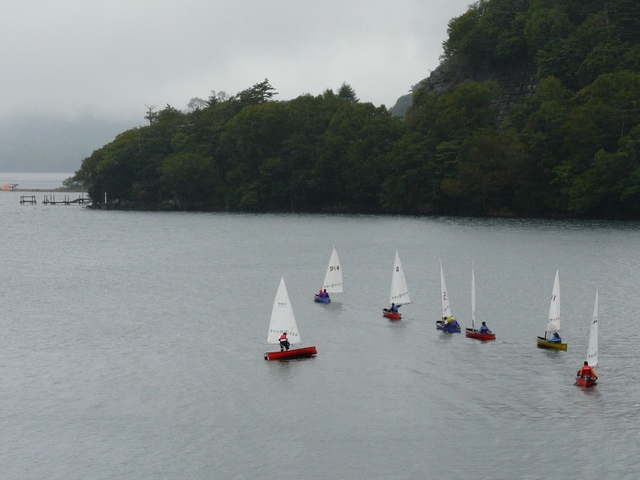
(41, 190)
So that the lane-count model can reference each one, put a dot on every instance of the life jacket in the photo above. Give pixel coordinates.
(586, 371)
(283, 337)
(484, 329)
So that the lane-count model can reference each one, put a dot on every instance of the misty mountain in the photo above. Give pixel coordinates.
(47, 144)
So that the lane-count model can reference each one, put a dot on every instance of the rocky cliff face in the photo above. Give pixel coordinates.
(517, 82)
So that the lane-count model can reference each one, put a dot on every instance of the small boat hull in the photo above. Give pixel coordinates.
(320, 299)
(543, 343)
(480, 336)
(440, 325)
(304, 352)
(586, 381)
(391, 315)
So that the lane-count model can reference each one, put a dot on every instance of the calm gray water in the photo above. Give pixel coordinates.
(132, 345)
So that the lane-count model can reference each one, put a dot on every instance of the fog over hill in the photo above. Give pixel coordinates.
(49, 145)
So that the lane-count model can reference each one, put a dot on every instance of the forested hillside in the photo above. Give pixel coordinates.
(570, 149)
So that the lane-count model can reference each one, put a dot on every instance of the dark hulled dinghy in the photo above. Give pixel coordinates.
(447, 324)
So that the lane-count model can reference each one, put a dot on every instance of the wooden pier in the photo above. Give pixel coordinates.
(30, 199)
(51, 200)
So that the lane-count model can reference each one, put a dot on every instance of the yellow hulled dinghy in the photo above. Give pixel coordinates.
(551, 337)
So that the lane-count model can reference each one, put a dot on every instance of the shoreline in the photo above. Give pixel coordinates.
(40, 190)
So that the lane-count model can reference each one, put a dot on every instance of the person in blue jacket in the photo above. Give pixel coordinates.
(484, 328)
(555, 338)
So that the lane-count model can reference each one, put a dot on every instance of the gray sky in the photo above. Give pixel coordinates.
(84, 63)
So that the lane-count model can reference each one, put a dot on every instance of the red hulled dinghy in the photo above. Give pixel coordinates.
(283, 330)
(304, 352)
(586, 376)
(471, 333)
(391, 315)
(399, 292)
(586, 381)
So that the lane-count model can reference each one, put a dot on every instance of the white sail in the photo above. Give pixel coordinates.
(444, 295)
(333, 277)
(473, 299)
(399, 291)
(282, 318)
(592, 351)
(554, 308)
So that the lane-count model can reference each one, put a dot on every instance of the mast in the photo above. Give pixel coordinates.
(592, 350)
(444, 296)
(554, 308)
(333, 277)
(282, 318)
(473, 300)
(399, 290)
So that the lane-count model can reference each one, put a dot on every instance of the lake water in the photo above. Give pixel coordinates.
(132, 346)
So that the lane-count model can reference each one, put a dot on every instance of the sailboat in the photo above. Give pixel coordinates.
(447, 324)
(472, 332)
(399, 292)
(332, 279)
(553, 327)
(283, 321)
(592, 349)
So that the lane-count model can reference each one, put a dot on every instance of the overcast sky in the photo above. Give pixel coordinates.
(85, 62)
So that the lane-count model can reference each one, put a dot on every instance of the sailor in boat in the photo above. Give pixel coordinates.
(555, 338)
(324, 294)
(284, 342)
(587, 371)
(393, 308)
(484, 328)
(450, 322)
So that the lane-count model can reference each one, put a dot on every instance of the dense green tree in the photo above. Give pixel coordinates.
(572, 148)
(348, 93)
(491, 32)
(350, 167)
(602, 116)
(189, 181)
(427, 160)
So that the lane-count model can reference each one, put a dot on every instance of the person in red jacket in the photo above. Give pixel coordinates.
(284, 342)
(587, 371)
